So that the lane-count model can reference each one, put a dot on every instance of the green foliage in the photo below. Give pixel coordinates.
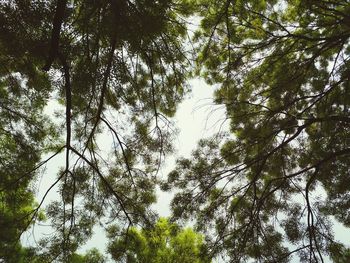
(25, 133)
(164, 242)
(118, 68)
(339, 253)
(91, 256)
(121, 68)
(282, 71)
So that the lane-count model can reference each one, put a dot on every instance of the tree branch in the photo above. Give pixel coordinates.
(105, 181)
(55, 35)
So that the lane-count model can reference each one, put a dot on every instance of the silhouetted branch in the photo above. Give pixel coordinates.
(128, 167)
(55, 35)
(104, 180)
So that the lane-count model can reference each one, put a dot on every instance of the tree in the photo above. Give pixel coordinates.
(114, 65)
(164, 242)
(24, 135)
(282, 71)
(120, 67)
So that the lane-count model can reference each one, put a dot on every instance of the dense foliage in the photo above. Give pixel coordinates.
(24, 135)
(164, 242)
(282, 68)
(115, 66)
(265, 191)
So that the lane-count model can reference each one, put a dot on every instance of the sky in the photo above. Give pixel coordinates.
(197, 117)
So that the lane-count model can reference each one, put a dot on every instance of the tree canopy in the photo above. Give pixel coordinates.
(282, 70)
(264, 191)
(113, 65)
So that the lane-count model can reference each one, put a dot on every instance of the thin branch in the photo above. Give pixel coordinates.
(34, 169)
(103, 90)
(128, 167)
(105, 181)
